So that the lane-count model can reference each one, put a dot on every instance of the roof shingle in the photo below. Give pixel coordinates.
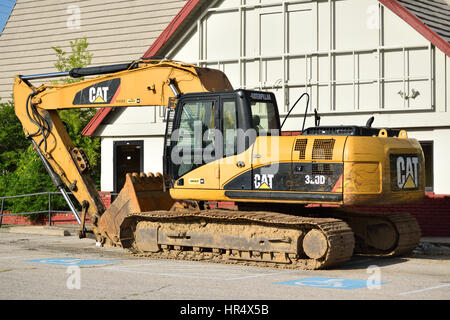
(435, 14)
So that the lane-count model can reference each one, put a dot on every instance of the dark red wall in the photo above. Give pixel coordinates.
(432, 213)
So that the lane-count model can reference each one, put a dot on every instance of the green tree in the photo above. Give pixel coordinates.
(12, 139)
(20, 169)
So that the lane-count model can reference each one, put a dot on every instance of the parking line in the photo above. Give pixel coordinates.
(189, 275)
(425, 289)
(262, 275)
(157, 273)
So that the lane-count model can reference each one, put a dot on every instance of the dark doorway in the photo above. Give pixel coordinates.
(427, 147)
(128, 158)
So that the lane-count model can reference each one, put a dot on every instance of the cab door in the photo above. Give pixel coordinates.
(235, 165)
(193, 151)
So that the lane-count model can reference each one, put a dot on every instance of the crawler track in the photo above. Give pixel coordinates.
(405, 231)
(180, 229)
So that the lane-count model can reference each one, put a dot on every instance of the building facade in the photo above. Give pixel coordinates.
(355, 58)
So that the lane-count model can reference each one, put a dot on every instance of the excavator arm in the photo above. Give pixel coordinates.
(140, 83)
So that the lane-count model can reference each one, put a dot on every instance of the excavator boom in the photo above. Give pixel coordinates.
(140, 83)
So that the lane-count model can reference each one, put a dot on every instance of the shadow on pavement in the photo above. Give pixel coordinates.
(365, 261)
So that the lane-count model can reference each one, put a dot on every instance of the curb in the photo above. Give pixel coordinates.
(436, 240)
(40, 230)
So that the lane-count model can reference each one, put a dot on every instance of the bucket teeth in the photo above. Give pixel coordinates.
(158, 178)
(150, 178)
(135, 177)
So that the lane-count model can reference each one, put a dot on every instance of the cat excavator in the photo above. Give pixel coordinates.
(293, 197)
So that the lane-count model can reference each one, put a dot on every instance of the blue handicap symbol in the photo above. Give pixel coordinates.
(334, 283)
(72, 261)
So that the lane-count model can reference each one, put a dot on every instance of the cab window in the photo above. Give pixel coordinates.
(229, 128)
(196, 133)
(264, 119)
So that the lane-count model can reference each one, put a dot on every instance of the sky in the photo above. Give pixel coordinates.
(6, 7)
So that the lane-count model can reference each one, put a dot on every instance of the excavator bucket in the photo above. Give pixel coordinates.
(140, 193)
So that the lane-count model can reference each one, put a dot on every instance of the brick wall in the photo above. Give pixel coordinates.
(57, 219)
(432, 213)
(290, 133)
(106, 198)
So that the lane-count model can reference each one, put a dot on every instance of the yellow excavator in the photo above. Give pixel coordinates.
(293, 196)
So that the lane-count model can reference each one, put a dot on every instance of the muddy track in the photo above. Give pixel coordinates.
(407, 231)
(339, 237)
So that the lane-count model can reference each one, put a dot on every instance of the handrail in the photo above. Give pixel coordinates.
(49, 211)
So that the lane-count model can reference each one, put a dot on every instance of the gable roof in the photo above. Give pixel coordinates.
(174, 28)
(181, 20)
(435, 14)
(428, 17)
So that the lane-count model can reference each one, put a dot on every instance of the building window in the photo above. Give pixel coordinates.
(427, 147)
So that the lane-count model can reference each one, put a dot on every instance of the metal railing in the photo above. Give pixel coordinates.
(48, 211)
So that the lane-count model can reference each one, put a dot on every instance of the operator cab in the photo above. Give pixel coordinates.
(213, 125)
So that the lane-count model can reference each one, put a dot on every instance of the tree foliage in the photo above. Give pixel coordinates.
(80, 57)
(77, 119)
(21, 171)
(12, 139)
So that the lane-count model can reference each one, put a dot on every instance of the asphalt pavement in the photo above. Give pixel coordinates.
(64, 267)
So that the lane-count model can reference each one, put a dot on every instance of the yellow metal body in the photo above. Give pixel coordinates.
(365, 179)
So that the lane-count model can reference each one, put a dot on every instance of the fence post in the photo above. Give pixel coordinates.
(49, 208)
(1, 212)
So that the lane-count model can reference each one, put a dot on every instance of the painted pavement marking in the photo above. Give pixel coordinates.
(72, 261)
(333, 283)
(182, 271)
(425, 289)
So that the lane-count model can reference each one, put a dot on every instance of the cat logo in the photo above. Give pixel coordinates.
(98, 95)
(407, 171)
(263, 181)
(105, 92)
